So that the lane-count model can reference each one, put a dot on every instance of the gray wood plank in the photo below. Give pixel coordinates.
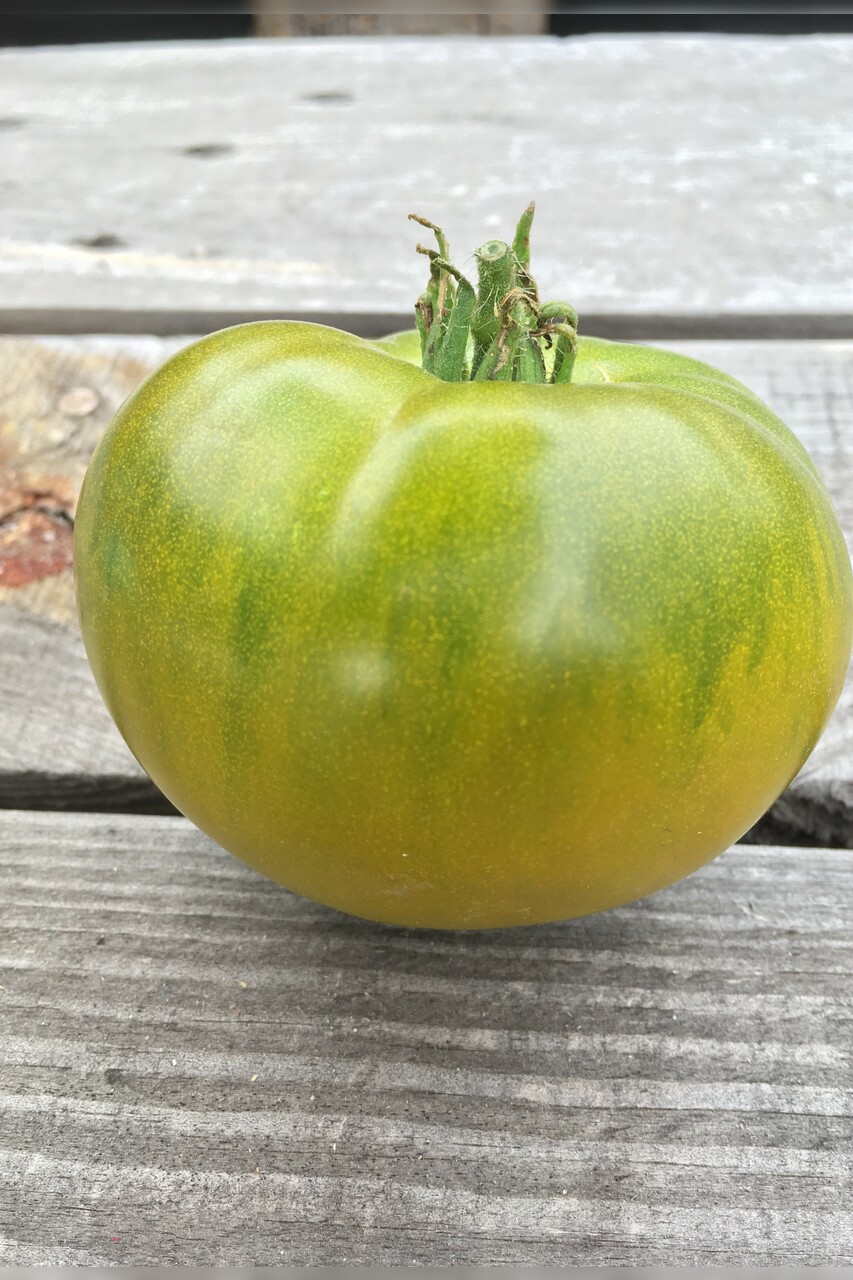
(198, 1067)
(58, 747)
(693, 177)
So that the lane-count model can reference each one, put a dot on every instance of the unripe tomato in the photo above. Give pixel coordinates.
(460, 654)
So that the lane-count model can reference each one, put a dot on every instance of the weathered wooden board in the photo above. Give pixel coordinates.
(58, 747)
(57, 744)
(197, 1067)
(692, 177)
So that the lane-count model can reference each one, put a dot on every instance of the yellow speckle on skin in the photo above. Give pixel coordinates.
(521, 630)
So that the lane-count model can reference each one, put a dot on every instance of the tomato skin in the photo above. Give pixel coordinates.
(460, 655)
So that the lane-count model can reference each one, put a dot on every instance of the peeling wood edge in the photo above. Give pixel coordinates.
(75, 321)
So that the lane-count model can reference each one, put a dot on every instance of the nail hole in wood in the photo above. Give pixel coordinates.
(208, 150)
(104, 240)
(329, 96)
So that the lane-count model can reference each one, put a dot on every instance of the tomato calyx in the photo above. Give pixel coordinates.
(499, 332)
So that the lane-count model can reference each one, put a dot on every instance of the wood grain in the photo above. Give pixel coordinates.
(677, 177)
(198, 1067)
(58, 747)
(57, 744)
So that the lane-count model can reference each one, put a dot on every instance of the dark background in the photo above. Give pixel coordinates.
(217, 19)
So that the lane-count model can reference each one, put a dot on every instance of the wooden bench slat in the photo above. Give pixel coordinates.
(198, 1067)
(58, 746)
(691, 176)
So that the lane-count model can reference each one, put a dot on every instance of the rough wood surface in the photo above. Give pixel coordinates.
(197, 1067)
(58, 747)
(691, 176)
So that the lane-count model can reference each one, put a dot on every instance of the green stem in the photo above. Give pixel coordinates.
(441, 238)
(428, 313)
(529, 361)
(496, 273)
(503, 322)
(450, 361)
(521, 247)
(498, 363)
(558, 323)
(564, 358)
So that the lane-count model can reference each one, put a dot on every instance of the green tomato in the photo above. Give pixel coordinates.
(460, 655)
